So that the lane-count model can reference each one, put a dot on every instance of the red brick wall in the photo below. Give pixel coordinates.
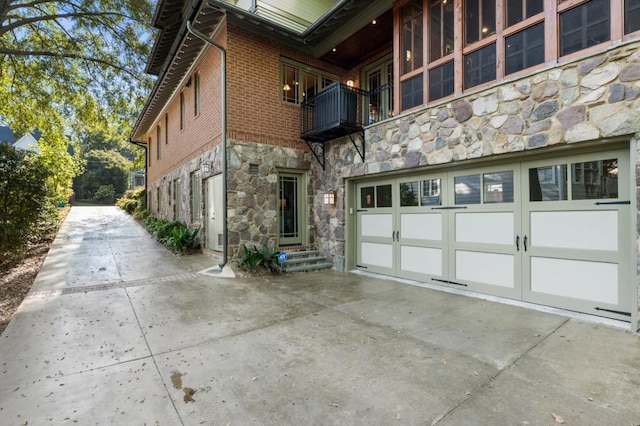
(255, 110)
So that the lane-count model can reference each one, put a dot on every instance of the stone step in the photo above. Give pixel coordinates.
(295, 254)
(303, 268)
(309, 259)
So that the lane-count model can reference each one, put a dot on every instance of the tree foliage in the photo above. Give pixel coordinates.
(107, 160)
(73, 64)
(24, 200)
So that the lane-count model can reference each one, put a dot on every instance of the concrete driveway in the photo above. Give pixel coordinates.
(117, 330)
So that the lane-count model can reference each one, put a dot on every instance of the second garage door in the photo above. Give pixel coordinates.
(553, 232)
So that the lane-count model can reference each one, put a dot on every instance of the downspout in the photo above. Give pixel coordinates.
(223, 159)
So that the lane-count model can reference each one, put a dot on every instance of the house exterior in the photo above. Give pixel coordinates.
(487, 146)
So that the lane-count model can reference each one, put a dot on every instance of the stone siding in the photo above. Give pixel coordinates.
(253, 197)
(591, 99)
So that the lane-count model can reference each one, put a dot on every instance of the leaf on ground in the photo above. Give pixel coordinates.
(557, 418)
(443, 361)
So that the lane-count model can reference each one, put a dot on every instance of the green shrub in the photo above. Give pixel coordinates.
(141, 213)
(172, 233)
(129, 205)
(255, 257)
(182, 238)
(105, 193)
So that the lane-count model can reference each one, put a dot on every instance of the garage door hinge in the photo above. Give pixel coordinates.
(603, 203)
(626, 314)
(449, 208)
(449, 282)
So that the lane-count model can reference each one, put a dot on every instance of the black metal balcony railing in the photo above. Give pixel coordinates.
(339, 110)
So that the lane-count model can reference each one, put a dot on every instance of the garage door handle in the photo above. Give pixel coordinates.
(525, 243)
(517, 242)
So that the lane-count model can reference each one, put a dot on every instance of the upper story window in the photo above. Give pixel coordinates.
(479, 20)
(300, 82)
(470, 43)
(196, 94)
(158, 143)
(411, 80)
(182, 117)
(377, 79)
(632, 16)
(412, 37)
(584, 26)
(519, 10)
(166, 128)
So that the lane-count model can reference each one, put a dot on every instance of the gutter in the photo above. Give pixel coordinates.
(223, 157)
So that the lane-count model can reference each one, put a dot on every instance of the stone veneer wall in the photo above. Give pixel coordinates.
(253, 198)
(584, 100)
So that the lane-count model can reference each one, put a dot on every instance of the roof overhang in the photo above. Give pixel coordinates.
(179, 59)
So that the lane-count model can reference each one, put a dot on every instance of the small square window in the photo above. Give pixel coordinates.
(412, 92)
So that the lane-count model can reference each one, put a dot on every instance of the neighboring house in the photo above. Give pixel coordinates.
(6, 135)
(27, 143)
(486, 146)
(137, 179)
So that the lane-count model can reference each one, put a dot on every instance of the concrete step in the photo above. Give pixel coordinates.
(296, 254)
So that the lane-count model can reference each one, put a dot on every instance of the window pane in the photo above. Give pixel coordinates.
(631, 16)
(441, 28)
(480, 66)
(441, 81)
(412, 36)
(412, 92)
(383, 196)
(367, 198)
(480, 19)
(524, 49)
(594, 179)
(409, 194)
(290, 84)
(431, 195)
(584, 26)
(519, 10)
(548, 183)
(467, 189)
(498, 187)
(310, 85)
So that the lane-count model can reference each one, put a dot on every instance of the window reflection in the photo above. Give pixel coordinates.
(367, 198)
(548, 183)
(431, 195)
(594, 179)
(409, 194)
(498, 187)
(383, 196)
(467, 189)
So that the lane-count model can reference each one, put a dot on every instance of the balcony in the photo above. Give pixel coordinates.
(340, 110)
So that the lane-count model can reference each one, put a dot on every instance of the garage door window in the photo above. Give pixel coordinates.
(548, 183)
(498, 187)
(420, 193)
(594, 180)
(376, 196)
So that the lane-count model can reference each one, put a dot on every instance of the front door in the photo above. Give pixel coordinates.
(290, 201)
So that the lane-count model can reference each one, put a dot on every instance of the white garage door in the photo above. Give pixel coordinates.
(553, 232)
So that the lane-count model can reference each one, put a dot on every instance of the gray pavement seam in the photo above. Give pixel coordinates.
(110, 286)
(153, 358)
(500, 372)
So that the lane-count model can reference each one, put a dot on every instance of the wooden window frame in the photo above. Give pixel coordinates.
(323, 79)
(550, 16)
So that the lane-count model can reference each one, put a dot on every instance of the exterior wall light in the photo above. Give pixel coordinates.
(206, 167)
(350, 83)
(329, 198)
